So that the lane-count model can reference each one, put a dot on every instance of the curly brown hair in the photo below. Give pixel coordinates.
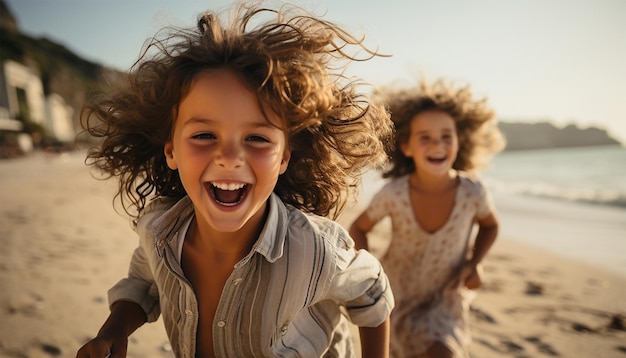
(296, 64)
(475, 122)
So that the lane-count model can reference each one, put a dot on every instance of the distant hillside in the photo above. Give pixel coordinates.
(543, 135)
(61, 70)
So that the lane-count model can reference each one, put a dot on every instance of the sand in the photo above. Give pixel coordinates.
(63, 246)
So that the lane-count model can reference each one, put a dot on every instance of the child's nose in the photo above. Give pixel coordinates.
(437, 141)
(230, 155)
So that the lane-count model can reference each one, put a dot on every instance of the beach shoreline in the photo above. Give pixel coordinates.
(64, 246)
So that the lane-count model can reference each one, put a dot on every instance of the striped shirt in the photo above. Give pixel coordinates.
(289, 297)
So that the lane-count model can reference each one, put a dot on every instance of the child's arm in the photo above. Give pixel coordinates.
(359, 229)
(487, 233)
(112, 339)
(375, 341)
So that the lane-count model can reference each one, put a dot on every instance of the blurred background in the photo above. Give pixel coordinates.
(554, 71)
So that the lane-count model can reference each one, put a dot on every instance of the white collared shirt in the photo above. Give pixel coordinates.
(289, 297)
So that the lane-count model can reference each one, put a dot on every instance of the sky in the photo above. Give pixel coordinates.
(562, 61)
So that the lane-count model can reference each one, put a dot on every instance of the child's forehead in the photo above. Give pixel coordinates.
(224, 90)
(432, 117)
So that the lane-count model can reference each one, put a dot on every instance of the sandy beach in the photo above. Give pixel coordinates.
(64, 246)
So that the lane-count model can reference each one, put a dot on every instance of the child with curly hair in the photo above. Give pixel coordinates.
(433, 200)
(233, 146)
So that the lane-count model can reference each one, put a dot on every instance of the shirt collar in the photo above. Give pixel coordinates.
(271, 241)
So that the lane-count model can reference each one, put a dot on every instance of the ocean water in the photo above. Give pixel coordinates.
(590, 174)
(571, 201)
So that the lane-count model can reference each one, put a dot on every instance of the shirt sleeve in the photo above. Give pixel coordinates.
(484, 203)
(361, 286)
(139, 287)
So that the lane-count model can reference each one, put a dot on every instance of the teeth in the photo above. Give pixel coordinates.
(228, 186)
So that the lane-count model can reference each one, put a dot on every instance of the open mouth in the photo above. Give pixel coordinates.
(228, 194)
(437, 160)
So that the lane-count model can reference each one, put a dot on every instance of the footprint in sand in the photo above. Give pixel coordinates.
(617, 323)
(482, 315)
(542, 346)
(512, 346)
(503, 346)
(51, 349)
(534, 288)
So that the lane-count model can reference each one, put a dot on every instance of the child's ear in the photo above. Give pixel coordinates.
(284, 163)
(168, 150)
(404, 147)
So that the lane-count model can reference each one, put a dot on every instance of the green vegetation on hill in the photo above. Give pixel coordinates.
(50, 59)
(61, 71)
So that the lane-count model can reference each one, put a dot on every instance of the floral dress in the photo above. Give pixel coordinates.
(421, 264)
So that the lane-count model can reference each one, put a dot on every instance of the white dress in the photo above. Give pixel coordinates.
(420, 264)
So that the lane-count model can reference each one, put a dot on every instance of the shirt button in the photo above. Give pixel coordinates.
(188, 312)
(237, 281)
(283, 330)
(221, 324)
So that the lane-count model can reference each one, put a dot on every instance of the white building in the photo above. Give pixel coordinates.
(22, 97)
(59, 119)
(24, 92)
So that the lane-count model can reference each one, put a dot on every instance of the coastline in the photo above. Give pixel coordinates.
(64, 246)
(590, 234)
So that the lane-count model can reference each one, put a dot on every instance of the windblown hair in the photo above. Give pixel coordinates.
(475, 122)
(294, 61)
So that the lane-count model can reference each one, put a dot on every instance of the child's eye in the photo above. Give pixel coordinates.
(203, 136)
(257, 138)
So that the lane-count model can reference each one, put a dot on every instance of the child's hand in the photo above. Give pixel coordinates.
(469, 276)
(100, 347)
(473, 280)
